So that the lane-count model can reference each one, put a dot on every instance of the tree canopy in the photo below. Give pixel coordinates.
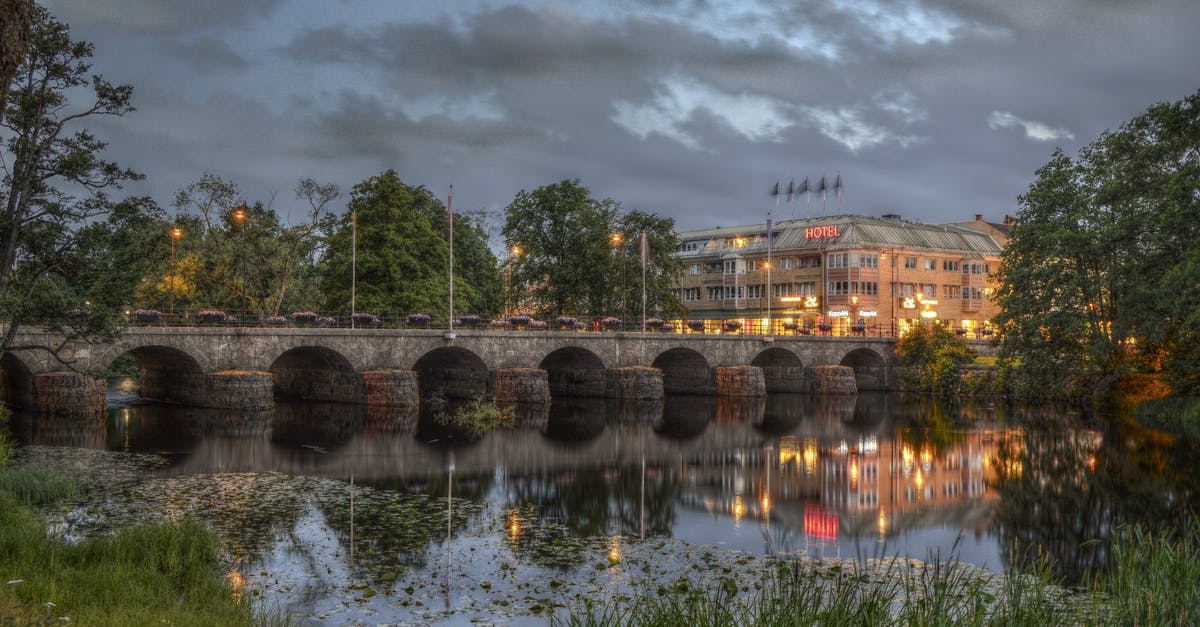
(1099, 277)
(580, 255)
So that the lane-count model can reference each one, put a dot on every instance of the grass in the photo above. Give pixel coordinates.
(474, 419)
(1176, 414)
(1154, 581)
(153, 574)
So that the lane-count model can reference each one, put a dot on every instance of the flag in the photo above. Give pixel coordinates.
(804, 188)
(837, 185)
(791, 190)
(775, 190)
(821, 187)
(645, 250)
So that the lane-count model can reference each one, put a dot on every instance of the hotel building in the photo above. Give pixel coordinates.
(838, 275)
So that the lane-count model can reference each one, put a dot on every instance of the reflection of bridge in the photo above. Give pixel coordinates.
(327, 364)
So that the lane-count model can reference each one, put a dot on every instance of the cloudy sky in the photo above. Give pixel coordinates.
(932, 109)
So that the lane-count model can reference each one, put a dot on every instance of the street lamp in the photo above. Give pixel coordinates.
(617, 240)
(514, 253)
(239, 216)
(176, 234)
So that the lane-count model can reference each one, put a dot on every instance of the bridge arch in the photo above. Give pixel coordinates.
(451, 372)
(166, 373)
(870, 368)
(574, 371)
(782, 370)
(685, 371)
(316, 373)
(16, 381)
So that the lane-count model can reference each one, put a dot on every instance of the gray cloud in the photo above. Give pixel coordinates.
(935, 109)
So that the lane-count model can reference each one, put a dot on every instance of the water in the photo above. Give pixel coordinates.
(360, 514)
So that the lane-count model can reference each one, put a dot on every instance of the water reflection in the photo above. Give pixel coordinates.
(828, 475)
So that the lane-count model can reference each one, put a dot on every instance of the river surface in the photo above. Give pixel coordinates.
(357, 515)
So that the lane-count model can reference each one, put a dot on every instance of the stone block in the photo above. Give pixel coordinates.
(741, 381)
(522, 385)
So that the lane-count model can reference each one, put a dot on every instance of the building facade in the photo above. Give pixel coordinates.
(838, 275)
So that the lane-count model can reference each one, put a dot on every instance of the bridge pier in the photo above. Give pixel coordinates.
(522, 385)
(239, 389)
(65, 393)
(741, 381)
(391, 388)
(634, 382)
(834, 380)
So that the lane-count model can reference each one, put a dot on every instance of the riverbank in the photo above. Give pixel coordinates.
(151, 574)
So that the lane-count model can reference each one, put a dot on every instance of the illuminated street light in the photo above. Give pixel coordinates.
(239, 216)
(176, 234)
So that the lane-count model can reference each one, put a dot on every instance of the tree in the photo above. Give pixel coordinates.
(570, 262)
(16, 20)
(1098, 279)
(54, 182)
(403, 252)
(930, 357)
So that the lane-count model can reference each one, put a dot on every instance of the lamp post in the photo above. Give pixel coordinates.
(239, 216)
(176, 233)
(514, 253)
(617, 240)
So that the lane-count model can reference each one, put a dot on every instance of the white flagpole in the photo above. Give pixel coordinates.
(645, 262)
(450, 226)
(353, 264)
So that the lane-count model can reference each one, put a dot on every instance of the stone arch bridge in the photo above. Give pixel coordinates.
(195, 366)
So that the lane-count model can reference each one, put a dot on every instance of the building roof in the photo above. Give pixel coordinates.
(854, 232)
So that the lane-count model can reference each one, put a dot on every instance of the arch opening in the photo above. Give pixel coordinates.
(685, 371)
(16, 382)
(316, 373)
(164, 373)
(782, 370)
(451, 372)
(870, 369)
(574, 371)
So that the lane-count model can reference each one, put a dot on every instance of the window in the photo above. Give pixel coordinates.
(868, 260)
(973, 293)
(929, 264)
(975, 267)
(694, 268)
(735, 292)
(949, 266)
(691, 293)
(787, 263)
(751, 265)
(810, 262)
(907, 290)
(783, 289)
(839, 260)
(806, 288)
(929, 290)
(713, 268)
(869, 288)
(715, 292)
(731, 267)
(754, 291)
(950, 292)
(910, 263)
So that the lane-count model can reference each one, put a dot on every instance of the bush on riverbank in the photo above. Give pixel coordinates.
(931, 358)
(155, 574)
(1179, 415)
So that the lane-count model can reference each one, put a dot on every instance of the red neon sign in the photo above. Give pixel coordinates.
(815, 232)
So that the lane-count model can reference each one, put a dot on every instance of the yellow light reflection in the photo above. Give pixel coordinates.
(766, 504)
(853, 470)
(238, 583)
(614, 550)
(920, 479)
(883, 523)
(739, 509)
(810, 456)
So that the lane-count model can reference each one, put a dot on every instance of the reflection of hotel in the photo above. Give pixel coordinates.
(880, 275)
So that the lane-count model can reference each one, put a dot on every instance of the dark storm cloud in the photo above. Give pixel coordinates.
(937, 109)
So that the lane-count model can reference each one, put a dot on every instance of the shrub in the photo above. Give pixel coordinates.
(934, 355)
(498, 324)
(147, 316)
(304, 317)
(418, 320)
(696, 325)
(275, 321)
(211, 315)
(366, 320)
(519, 321)
(471, 320)
(538, 324)
(565, 322)
(326, 321)
(657, 324)
(612, 324)
(730, 326)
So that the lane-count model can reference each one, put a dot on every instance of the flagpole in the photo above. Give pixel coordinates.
(645, 262)
(353, 264)
(450, 226)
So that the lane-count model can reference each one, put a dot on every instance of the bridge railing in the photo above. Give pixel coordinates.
(521, 322)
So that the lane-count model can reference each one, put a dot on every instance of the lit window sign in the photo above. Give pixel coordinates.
(868, 313)
(838, 313)
(810, 302)
(817, 232)
(909, 303)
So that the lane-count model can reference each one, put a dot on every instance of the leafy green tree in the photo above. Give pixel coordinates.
(1098, 278)
(403, 253)
(570, 262)
(930, 357)
(54, 182)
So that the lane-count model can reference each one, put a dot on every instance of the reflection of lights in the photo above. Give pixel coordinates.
(128, 385)
(926, 457)
(868, 445)
(843, 448)
(1091, 462)
(853, 469)
(766, 503)
(739, 509)
(788, 450)
(514, 524)
(614, 550)
(810, 456)
(906, 458)
(920, 479)
(238, 583)
(883, 523)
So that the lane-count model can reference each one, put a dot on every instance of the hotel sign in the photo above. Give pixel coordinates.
(821, 232)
